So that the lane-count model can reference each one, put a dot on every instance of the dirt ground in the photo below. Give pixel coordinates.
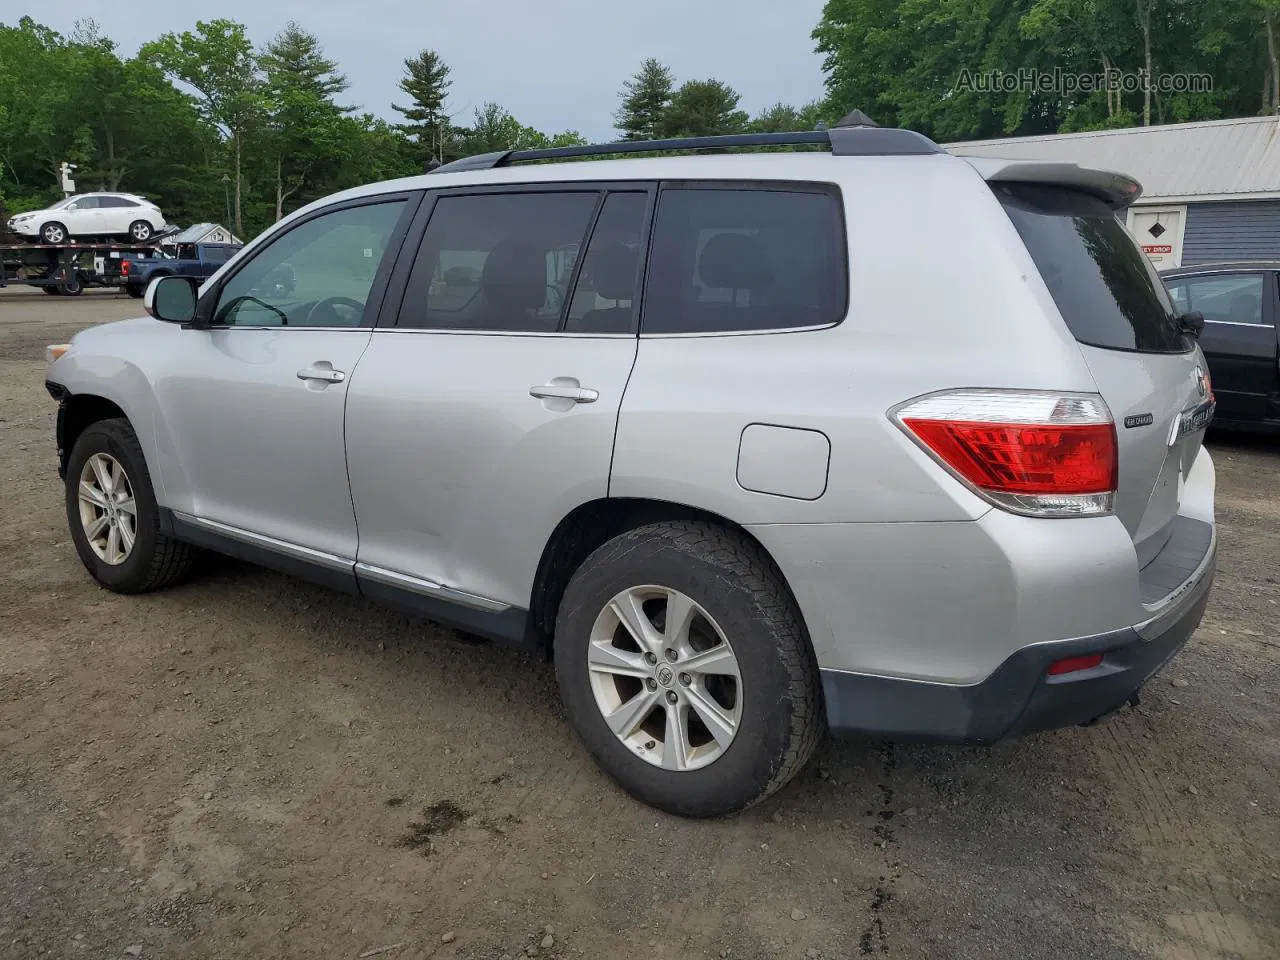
(252, 767)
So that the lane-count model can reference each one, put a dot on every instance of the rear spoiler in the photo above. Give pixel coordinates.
(1115, 189)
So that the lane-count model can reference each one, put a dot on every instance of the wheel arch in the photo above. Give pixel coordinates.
(592, 524)
(84, 400)
(77, 413)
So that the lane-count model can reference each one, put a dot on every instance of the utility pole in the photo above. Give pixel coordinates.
(226, 193)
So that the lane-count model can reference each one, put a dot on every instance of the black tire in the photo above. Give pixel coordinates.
(135, 290)
(53, 229)
(52, 291)
(730, 577)
(72, 286)
(155, 560)
(140, 231)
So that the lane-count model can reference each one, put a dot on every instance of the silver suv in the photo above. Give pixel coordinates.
(727, 436)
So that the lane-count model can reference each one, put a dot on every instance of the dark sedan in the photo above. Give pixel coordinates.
(1240, 302)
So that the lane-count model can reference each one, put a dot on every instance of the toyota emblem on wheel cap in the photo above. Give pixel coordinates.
(665, 676)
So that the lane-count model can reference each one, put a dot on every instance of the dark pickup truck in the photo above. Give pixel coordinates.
(189, 260)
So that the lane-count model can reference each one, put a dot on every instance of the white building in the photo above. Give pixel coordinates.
(1210, 190)
(201, 233)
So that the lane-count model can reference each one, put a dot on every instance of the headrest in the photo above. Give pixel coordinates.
(734, 260)
(613, 272)
(515, 275)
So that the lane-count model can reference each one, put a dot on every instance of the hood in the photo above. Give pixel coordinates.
(118, 328)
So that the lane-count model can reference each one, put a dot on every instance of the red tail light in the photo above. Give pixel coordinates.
(124, 268)
(1041, 454)
(1074, 664)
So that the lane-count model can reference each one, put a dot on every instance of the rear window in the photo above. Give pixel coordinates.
(1105, 287)
(746, 257)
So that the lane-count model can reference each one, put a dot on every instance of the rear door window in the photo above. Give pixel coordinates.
(605, 296)
(497, 261)
(1228, 298)
(746, 257)
(1105, 287)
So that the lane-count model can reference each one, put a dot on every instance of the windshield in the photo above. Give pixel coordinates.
(1106, 288)
(62, 203)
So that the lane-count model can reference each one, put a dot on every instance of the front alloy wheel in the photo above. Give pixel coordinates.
(665, 678)
(113, 515)
(108, 511)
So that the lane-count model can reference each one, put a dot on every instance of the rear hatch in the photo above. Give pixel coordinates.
(1152, 375)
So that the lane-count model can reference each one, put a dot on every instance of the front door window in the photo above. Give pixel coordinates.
(318, 274)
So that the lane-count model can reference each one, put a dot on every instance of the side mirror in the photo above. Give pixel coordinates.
(1192, 324)
(171, 299)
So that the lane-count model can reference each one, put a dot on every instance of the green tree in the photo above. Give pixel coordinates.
(303, 136)
(217, 60)
(703, 108)
(911, 63)
(645, 99)
(36, 82)
(495, 129)
(427, 82)
(371, 150)
(784, 118)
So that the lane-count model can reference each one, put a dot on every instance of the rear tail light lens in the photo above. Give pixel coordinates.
(1074, 664)
(124, 268)
(1038, 454)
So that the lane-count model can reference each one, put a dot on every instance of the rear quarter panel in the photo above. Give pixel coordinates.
(942, 295)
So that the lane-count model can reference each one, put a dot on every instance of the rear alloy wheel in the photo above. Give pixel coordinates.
(685, 667)
(113, 514)
(666, 682)
(53, 233)
(140, 231)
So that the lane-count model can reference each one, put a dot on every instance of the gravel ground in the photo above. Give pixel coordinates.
(248, 766)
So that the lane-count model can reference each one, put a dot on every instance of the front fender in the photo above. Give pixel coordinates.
(94, 367)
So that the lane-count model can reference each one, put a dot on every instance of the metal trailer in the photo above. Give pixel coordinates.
(67, 268)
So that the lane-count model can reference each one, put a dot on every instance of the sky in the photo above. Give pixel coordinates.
(554, 64)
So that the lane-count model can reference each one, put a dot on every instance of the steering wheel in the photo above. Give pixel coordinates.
(328, 304)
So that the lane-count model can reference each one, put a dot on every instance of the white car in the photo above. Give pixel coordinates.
(92, 215)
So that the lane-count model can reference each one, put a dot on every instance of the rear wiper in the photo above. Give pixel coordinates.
(1191, 323)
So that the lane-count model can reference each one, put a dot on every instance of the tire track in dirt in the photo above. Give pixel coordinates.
(1177, 851)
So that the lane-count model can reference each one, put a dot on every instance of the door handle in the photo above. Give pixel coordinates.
(322, 371)
(565, 391)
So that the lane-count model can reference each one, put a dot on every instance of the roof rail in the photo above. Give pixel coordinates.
(856, 135)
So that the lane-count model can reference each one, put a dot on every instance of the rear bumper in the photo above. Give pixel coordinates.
(1018, 697)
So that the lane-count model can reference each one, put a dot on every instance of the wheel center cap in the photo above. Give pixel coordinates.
(666, 675)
